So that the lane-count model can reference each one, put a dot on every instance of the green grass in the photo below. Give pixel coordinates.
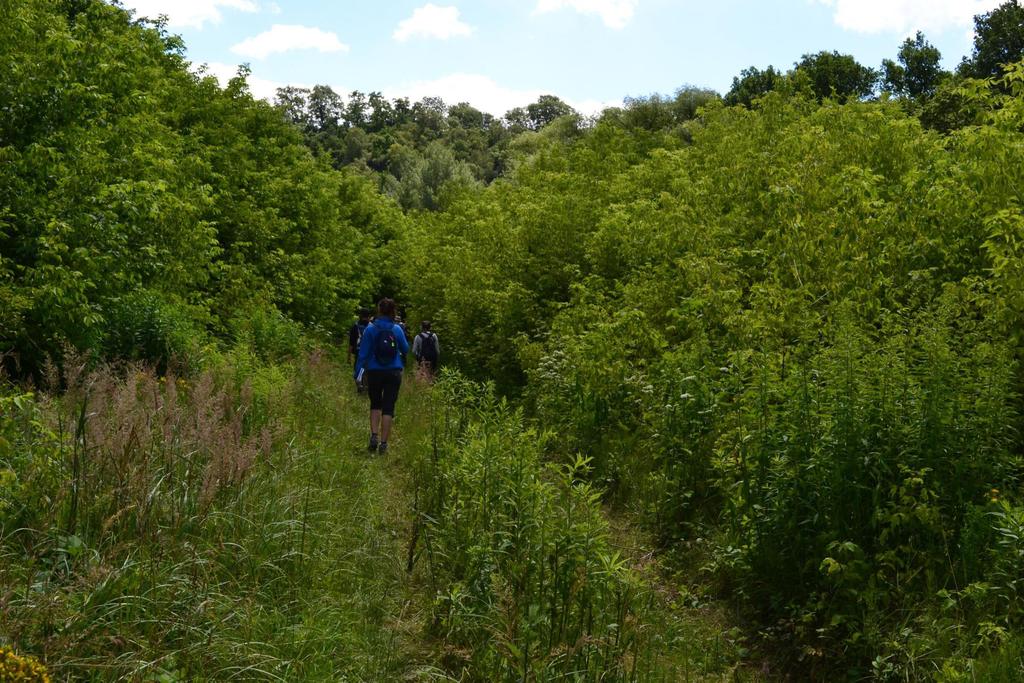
(295, 574)
(298, 571)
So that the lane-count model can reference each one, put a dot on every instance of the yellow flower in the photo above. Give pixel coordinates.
(21, 669)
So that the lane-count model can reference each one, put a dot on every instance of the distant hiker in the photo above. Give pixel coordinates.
(355, 335)
(405, 331)
(426, 349)
(380, 364)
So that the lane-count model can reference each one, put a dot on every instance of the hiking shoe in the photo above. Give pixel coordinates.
(383, 448)
(374, 444)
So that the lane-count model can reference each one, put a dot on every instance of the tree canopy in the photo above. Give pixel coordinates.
(917, 71)
(998, 41)
(835, 75)
(143, 207)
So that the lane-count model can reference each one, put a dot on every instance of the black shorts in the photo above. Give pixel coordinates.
(383, 386)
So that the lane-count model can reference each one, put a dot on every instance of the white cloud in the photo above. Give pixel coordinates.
(483, 93)
(431, 21)
(283, 38)
(480, 91)
(614, 13)
(192, 13)
(592, 107)
(906, 16)
(261, 88)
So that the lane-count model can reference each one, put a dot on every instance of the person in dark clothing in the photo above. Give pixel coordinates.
(426, 349)
(355, 335)
(405, 331)
(380, 364)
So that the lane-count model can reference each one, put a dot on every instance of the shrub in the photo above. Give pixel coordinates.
(271, 335)
(29, 461)
(148, 327)
(527, 584)
(19, 669)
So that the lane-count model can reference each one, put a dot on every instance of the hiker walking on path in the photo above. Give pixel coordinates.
(426, 349)
(380, 364)
(355, 335)
(405, 331)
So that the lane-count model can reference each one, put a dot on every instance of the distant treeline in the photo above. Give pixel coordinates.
(416, 149)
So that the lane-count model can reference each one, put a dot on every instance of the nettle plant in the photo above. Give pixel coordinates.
(526, 583)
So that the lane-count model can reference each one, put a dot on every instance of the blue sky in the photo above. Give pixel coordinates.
(502, 53)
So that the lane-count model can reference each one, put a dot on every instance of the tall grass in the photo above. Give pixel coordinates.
(527, 584)
(216, 528)
(855, 494)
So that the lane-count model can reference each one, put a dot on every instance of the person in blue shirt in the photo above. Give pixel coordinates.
(380, 365)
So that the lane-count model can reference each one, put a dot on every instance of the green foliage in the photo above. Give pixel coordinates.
(527, 584)
(144, 326)
(918, 72)
(751, 84)
(659, 113)
(29, 456)
(797, 335)
(837, 76)
(545, 110)
(998, 41)
(269, 334)
(413, 152)
(128, 184)
(787, 333)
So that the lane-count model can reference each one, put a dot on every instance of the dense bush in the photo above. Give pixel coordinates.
(527, 584)
(796, 337)
(143, 326)
(142, 205)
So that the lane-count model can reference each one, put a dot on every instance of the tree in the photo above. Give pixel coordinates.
(381, 112)
(659, 112)
(292, 101)
(402, 111)
(751, 84)
(325, 109)
(998, 40)
(356, 111)
(141, 204)
(467, 116)
(429, 116)
(836, 75)
(689, 99)
(517, 120)
(647, 113)
(546, 109)
(917, 73)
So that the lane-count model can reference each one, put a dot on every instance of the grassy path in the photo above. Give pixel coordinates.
(696, 634)
(297, 572)
(294, 572)
(358, 528)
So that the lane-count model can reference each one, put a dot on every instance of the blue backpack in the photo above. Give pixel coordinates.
(385, 346)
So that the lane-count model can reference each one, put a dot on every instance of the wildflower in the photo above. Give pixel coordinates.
(20, 669)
